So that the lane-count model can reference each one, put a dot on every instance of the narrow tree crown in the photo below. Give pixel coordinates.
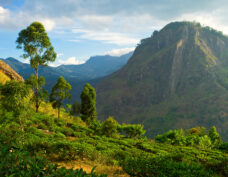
(36, 45)
(60, 91)
(42, 95)
(88, 103)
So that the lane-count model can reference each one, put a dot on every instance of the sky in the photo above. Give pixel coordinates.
(79, 29)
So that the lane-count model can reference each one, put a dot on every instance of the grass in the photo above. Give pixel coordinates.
(3, 78)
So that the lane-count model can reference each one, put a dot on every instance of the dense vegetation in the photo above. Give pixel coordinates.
(42, 143)
(31, 142)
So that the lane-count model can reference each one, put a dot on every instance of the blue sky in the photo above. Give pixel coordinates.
(79, 29)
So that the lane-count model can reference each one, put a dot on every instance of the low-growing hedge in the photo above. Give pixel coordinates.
(162, 167)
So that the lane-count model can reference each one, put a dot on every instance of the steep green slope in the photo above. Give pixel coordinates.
(178, 78)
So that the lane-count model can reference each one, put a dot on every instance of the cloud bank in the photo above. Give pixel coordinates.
(120, 23)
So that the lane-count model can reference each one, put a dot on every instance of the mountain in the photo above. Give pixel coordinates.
(96, 66)
(177, 78)
(7, 73)
(77, 75)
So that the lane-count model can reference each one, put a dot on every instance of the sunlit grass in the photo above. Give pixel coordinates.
(3, 78)
(47, 108)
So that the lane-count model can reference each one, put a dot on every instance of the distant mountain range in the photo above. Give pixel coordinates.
(92, 71)
(177, 78)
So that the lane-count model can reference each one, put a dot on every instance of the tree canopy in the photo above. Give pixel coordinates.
(59, 93)
(88, 104)
(37, 47)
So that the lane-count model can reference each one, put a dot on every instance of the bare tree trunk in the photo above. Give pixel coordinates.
(37, 89)
(58, 112)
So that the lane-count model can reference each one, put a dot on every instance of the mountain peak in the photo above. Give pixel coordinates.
(182, 65)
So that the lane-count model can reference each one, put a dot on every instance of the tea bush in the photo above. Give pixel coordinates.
(148, 167)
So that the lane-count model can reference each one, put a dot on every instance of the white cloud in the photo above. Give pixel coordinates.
(59, 55)
(11, 20)
(207, 19)
(120, 22)
(69, 61)
(106, 37)
(4, 14)
(97, 22)
(25, 61)
(74, 40)
(48, 23)
(119, 52)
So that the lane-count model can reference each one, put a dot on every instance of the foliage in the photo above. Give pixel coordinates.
(37, 46)
(69, 139)
(193, 137)
(172, 137)
(149, 166)
(215, 137)
(68, 108)
(75, 108)
(109, 127)
(59, 93)
(224, 147)
(15, 96)
(88, 104)
(42, 95)
(132, 130)
(18, 162)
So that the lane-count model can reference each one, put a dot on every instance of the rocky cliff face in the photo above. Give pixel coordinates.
(178, 78)
(7, 73)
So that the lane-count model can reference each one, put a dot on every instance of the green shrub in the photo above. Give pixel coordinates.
(215, 137)
(59, 135)
(20, 163)
(224, 147)
(132, 130)
(67, 131)
(148, 166)
(109, 127)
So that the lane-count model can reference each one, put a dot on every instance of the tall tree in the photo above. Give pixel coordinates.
(37, 47)
(59, 93)
(42, 94)
(75, 108)
(88, 104)
(215, 137)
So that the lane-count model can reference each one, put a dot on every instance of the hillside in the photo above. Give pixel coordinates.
(77, 75)
(33, 143)
(40, 144)
(177, 78)
(7, 73)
